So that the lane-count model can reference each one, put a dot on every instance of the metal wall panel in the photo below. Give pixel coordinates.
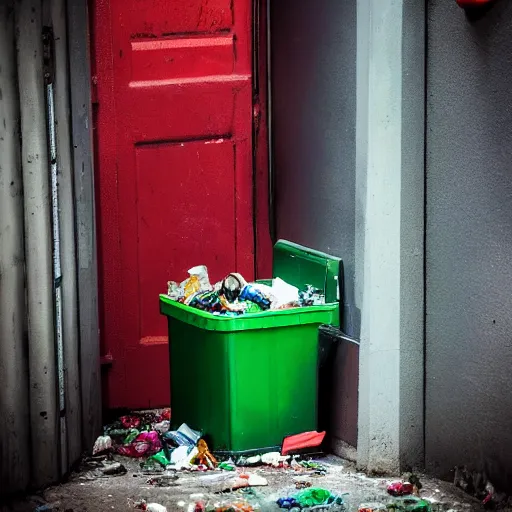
(39, 441)
(87, 275)
(14, 409)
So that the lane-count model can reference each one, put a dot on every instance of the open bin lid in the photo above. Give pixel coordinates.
(300, 266)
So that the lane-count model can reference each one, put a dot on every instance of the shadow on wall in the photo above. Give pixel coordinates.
(313, 55)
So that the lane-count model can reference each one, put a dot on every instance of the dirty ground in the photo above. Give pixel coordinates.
(86, 492)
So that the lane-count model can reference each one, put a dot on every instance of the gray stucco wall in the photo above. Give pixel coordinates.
(314, 106)
(469, 241)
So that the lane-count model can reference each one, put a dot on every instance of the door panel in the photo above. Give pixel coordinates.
(181, 118)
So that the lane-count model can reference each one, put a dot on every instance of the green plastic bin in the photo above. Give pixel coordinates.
(249, 381)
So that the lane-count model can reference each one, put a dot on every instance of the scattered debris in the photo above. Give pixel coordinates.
(177, 458)
(227, 466)
(239, 506)
(145, 444)
(247, 480)
(150, 507)
(274, 459)
(476, 484)
(115, 468)
(400, 488)
(372, 507)
(164, 480)
(184, 436)
(409, 504)
(130, 422)
(315, 497)
(102, 444)
(204, 456)
(314, 466)
(246, 462)
(47, 507)
(162, 427)
(302, 442)
(161, 457)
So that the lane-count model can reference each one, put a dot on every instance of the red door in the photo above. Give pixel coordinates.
(174, 122)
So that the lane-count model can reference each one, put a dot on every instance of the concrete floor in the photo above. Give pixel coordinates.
(85, 492)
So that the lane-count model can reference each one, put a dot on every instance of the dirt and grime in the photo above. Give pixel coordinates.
(90, 490)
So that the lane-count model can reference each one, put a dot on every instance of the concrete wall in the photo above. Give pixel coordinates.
(469, 241)
(390, 232)
(314, 106)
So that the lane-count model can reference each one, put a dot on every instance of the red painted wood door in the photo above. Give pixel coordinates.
(173, 120)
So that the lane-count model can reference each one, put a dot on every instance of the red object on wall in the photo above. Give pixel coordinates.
(174, 160)
(468, 4)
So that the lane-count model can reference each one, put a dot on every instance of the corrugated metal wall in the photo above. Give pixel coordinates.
(50, 409)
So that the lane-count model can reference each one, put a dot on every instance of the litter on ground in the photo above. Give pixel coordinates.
(162, 470)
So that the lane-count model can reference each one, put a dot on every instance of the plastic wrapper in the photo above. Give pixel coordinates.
(130, 437)
(201, 274)
(144, 445)
(274, 459)
(102, 444)
(184, 436)
(372, 507)
(231, 286)
(165, 414)
(311, 296)
(155, 507)
(285, 294)
(314, 497)
(198, 281)
(150, 507)
(204, 456)
(239, 307)
(236, 506)
(253, 294)
(130, 421)
(400, 488)
(174, 291)
(161, 458)
(183, 456)
(162, 426)
(207, 301)
(288, 503)
(247, 480)
(409, 504)
(249, 461)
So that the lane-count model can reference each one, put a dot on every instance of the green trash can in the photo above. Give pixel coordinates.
(247, 382)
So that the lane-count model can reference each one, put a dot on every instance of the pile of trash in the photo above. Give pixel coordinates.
(234, 296)
(148, 436)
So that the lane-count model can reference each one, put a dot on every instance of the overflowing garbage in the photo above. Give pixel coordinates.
(234, 296)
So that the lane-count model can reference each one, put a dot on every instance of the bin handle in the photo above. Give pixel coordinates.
(341, 294)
